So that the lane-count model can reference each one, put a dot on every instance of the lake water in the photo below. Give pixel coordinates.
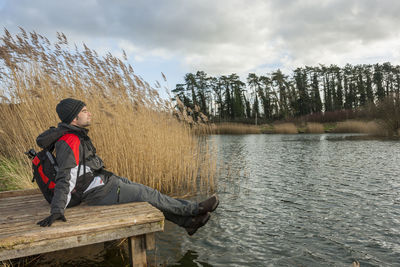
(298, 200)
(295, 200)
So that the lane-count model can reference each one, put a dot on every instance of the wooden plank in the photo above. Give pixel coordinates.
(79, 209)
(15, 193)
(30, 222)
(91, 213)
(32, 230)
(89, 210)
(20, 198)
(95, 214)
(23, 201)
(11, 205)
(137, 251)
(117, 211)
(86, 238)
(74, 227)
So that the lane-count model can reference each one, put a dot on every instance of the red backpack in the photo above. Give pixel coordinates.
(45, 168)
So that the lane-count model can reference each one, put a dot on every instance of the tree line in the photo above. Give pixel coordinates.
(276, 96)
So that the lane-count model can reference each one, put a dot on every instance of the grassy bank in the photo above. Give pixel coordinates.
(14, 174)
(375, 128)
(234, 128)
(133, 129)
(351, 126)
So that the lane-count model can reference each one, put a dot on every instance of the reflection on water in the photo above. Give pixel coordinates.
(295, 200)
(190, 259)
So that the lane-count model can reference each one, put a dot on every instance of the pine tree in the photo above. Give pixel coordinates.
(368, 85)
(378, 81)
(316, 97)
(361, 89)
(339, 92)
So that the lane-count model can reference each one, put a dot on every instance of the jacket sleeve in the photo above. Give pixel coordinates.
(67, 156)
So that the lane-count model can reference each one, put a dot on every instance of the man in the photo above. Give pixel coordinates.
(82, 178)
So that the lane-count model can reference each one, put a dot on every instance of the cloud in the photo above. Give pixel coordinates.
(222, 37)
(338, 30)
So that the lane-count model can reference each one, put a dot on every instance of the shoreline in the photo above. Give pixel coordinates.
(372, 128)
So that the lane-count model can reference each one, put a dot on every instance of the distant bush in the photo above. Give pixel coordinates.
(330, 116)
(388, 111)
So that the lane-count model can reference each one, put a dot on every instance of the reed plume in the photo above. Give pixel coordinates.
(134, 129)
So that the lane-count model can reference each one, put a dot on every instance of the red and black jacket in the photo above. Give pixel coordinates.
(73, 147)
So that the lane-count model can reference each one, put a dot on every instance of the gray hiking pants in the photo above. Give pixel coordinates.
(178, 211)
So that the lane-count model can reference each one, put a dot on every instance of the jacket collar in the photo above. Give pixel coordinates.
(48, 137)
(73, 128)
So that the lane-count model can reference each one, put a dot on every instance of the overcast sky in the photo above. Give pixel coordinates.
(219, 37)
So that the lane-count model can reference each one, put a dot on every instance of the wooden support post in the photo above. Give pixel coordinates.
(137, 251)
(150, 241)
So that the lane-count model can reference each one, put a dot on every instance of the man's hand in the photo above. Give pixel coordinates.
(49, 220)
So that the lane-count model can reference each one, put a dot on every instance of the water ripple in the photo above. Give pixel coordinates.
(300, 200)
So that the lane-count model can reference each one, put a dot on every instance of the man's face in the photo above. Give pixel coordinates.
(83, 118)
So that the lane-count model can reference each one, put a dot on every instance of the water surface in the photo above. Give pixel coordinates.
(298, 200)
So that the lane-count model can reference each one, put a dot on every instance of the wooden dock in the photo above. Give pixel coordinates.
(86, 225)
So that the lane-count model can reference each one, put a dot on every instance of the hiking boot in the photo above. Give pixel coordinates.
(209, 205)
(197, 222)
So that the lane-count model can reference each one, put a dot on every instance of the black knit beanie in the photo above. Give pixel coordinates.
(68, 109)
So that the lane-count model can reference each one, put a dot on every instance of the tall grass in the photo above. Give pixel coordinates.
(316, 128)
(234, 128)
(14, 174)
(371, 127)
(285, 128)
(133, 129)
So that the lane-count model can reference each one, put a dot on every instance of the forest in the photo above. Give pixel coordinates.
(276, 95)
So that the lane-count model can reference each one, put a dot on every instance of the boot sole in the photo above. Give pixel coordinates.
(192, 231)
(216, 204)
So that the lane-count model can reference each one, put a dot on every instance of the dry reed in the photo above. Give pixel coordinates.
(351, 126)
(314, 128)
(234, 128)
(285, 128)
(134, 130)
